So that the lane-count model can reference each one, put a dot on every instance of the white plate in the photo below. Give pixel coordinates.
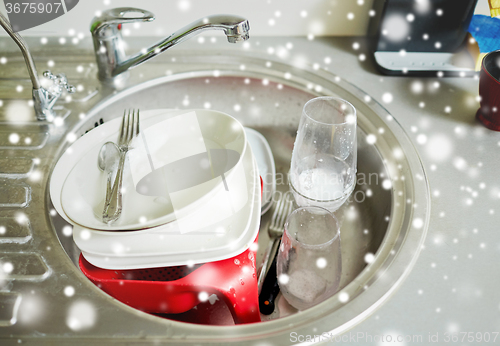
(151, 240)
(164, 246)
(77, 187)
(265, 162)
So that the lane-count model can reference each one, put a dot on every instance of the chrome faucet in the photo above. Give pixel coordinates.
(43, 99)
(109, 45)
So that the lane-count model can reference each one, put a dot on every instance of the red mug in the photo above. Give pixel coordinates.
(489, 91)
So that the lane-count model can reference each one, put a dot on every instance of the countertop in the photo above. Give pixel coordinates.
(453, 287)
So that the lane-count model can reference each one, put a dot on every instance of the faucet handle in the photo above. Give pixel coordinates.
(117, 16)
(60, 83)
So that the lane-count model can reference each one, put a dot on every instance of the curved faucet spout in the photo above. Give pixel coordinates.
(236, 29)
(24, 49)
(108, 44)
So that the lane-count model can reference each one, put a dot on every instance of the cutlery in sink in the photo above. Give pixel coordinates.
(267, 282)
(129, 130)
(107, 160)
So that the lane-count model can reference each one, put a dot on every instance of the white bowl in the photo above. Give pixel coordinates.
(205, 238)
(77, 187)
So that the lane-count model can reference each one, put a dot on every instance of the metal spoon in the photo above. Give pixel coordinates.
(106, 161)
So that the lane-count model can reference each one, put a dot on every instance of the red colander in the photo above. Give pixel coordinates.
(174, 290)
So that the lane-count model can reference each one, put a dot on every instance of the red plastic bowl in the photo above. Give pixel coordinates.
(174, 290)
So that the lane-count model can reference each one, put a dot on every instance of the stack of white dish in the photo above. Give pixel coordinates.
(265, 163)
(212, 220)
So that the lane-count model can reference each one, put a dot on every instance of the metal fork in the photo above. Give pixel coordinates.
(283, 208)
(128, 130)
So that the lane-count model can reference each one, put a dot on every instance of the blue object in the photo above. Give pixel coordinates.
(486, 31)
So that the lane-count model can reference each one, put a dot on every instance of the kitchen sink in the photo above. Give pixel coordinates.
(383, 224)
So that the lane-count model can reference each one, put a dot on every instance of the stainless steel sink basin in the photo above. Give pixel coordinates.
(387, 216)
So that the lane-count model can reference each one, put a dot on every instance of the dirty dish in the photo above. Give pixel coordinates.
(265, 163)
(165, 245)
(309, 264)
(324, 158)
(232, 280)
(77, 187)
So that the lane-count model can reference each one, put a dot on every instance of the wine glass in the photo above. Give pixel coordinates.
(309, 262)
(323, 168)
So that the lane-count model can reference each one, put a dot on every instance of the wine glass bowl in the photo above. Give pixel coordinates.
(309, 260)
(323, 168)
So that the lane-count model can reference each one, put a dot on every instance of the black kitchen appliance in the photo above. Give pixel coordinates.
(425, 37)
